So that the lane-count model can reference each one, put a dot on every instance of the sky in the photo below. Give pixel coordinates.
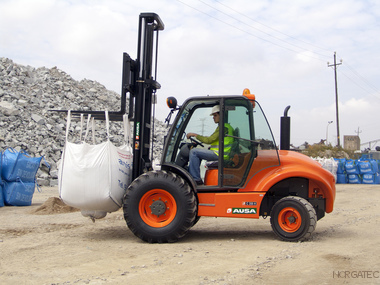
(281, 50)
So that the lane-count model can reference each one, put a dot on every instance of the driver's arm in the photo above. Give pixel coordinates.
(210, 139)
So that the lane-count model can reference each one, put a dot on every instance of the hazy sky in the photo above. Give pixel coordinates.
(278, 49)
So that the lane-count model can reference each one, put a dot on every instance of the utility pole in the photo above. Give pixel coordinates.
(203, 125)
(336, 95)
(358, 131)
(327, 131)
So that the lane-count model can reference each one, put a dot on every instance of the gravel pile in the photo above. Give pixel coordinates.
(27, 96)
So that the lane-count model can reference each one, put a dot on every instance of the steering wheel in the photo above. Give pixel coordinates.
(196, 142)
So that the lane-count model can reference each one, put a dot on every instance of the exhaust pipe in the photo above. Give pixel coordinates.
(285, 130)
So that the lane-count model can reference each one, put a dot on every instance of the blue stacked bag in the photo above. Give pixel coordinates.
(19, 193)
(375, 165)
(1, 183)
(365, 167)
(351, 167)
(354, 179)
(18, 171)
(341, 176)
(361, 171)
(368, 169)
(341, 162)
(368, 178)
(19, 166)
(352, 171)
(1, 194)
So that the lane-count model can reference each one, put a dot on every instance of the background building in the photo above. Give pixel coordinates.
(351, 142)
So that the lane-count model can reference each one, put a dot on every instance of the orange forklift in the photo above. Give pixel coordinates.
(255, 179)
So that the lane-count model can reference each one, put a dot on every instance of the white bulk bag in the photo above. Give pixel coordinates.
(94, 178)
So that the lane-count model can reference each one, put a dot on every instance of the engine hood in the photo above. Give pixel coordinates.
(293, 164)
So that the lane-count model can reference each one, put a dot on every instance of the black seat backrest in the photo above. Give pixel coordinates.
(235, 149)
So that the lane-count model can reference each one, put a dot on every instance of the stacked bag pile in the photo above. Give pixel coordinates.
(359, 171)
(329, 164)
(18, 177)
(1, 185)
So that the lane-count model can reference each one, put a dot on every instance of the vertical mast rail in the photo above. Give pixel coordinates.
(145, 86)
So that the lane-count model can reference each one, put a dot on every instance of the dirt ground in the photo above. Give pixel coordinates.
(46, 243)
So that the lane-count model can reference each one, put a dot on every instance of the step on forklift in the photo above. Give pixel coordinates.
(255, 179)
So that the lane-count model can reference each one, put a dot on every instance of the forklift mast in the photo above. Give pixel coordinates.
(141, 85)
(138, 81)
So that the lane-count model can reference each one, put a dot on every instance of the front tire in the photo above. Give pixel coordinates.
(159, 206)
(293, 219)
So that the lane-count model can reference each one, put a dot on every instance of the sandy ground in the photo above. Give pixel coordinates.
(66, 248)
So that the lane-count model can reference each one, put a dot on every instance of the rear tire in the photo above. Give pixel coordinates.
(293, 219)
(196, 220)
(159, 206)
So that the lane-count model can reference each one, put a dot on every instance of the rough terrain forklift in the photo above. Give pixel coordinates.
(255, 179)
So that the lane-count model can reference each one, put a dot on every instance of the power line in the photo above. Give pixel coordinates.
(362, 78)
(352, 80)
(250, 33)
(276, 38)
(276, 30)
(351, 69)
(237, 28)
(255, 28)
(358, 75)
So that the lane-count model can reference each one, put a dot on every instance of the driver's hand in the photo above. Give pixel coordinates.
(189, 135)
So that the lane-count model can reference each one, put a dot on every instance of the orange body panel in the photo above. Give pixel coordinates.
(265, 173)
(293, 164)
(236, 205)
(211, 177)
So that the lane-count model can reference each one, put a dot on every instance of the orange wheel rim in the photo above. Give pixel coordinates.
(157, 208)
(289, 219)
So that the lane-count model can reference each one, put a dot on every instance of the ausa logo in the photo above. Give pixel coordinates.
(242, 211)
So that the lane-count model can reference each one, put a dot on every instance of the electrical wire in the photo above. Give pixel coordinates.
(261, 31)
(353, 81)
(276, 38)
(275, 30)
(359, 85)
(362, 78)
(250, 33)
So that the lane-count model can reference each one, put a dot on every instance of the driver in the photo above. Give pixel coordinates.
(197, 154)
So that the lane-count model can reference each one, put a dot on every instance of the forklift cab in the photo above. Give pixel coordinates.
(251, 135)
